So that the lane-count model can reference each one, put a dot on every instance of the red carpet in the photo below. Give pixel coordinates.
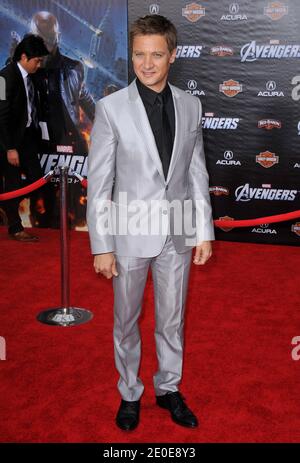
(59, 384)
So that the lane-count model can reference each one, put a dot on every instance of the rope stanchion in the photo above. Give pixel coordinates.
(27, 189)
(64, 315)
(253, 222)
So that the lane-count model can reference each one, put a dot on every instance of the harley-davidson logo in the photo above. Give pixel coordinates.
(231, 88)
(267, 159)
(221, 51)
(276, 10)
(219, 190)
(269, 124)
(226, 217)
(296, 228)
(193, 12)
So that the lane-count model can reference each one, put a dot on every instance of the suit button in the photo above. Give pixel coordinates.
(167, 187)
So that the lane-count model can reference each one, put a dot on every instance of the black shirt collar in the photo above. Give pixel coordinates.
(149, 96)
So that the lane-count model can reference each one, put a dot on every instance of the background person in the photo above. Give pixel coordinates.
(20, 134)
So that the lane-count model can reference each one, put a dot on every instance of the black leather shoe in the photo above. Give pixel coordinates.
(24, 236)
(180, 413)
(128, 415)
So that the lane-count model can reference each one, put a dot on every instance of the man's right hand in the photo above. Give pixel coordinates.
(13, 158)
(106, 265)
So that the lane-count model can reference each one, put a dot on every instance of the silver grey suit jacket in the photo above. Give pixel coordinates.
(124, 159)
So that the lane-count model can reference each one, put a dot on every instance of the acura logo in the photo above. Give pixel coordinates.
(271, 85)
(234, 8)
(228, 155)
(154, 8)
(192, 85)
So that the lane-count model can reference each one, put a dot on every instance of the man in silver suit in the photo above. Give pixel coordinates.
(149, 206)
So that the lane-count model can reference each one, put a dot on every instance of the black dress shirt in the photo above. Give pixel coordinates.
(162, 123)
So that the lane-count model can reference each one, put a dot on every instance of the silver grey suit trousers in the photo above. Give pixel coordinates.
(170, 273)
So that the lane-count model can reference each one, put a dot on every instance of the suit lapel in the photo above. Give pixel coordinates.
(179, 129)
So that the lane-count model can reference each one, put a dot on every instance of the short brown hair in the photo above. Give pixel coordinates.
(32, 46)
(154, 24)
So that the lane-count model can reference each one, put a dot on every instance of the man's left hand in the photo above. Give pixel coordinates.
(203, 253)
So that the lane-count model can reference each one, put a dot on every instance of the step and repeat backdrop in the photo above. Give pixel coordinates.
(87, 41)
(242, 59)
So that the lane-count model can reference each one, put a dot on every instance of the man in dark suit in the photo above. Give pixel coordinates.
(20, 134)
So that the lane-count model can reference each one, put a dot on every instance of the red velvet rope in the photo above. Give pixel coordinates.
(84, 182)
(252, 222)
(27, 189)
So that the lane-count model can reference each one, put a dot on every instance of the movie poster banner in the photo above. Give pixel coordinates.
(87, 41)
(242, 60)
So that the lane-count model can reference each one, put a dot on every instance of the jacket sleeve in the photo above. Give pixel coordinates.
(199, 187)
(86, 101)
(101, 173)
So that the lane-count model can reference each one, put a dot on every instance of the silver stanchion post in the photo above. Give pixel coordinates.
(64, 315)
